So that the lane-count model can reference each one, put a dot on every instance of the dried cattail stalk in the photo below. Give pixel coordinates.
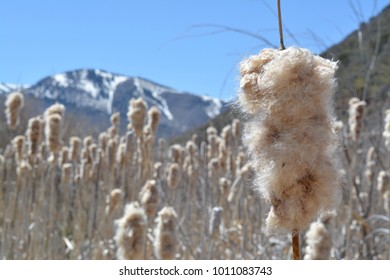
(290, 137)
(215, 223)
(355, 120)
(224, 187)
(319, 242)
(131, 233)
(369, 172)
(386, 131)
(121, 156)
(53, 132)
(153, 119)
(226, 135)
(137, 115)
(173, 175)
(149, 198)
(66, 173)
(64, 156)
(165, 242)
(22, 171)
(13, 104)
(34, 135)
(74, 151)
(236, 128)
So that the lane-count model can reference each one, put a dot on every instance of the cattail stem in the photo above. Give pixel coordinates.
(282, 47)
(295, 245)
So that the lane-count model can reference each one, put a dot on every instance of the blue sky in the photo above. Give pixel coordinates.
(172, 42)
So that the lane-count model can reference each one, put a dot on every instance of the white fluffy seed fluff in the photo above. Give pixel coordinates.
(288, 97)
(319, 242)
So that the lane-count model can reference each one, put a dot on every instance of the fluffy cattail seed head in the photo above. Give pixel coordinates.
(13, 104)
(386, 131)
(137, 115)
(75, 144)
(288, 97)
(153, 119)
(19, 146)
(319, 242)
(355, 120)
(53, 132)
(34, 135)
(116, 197)
(149, 198)
(383, 182)
(55, 109)
(165, 243)
(115, 118)
(131, 233)
(173, 175)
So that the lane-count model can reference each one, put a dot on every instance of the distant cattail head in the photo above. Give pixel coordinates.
(131, 233)
(176, 153)
(23, 168)
(33, 135)
(53, 132)
(121, 156)
(355, 120)
(112, 131)
(153, 119)
(173, 175)
(211, 130)
(386, 131)
(66, 173)
(213, 167)
(149, 198)
(74, 152)
(192, 149)
(64, 155)
(226, 135)
(157, 166)
(236, 128)
(19, 143)
(137, 115)
(215, 223)
(166, 242)
(319, 242)
(224, 186)
(55, 109)
(115, 118)
(383, 184)
(13, 104)
(116, 197)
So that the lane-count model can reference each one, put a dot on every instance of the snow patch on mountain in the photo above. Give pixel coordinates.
(8, 87)
(214, 109)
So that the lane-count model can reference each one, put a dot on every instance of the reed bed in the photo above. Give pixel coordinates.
(134, 196)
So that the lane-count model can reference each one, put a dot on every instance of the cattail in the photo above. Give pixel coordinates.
(226, 135)
(55, 109)
(213, 167)
(211, 130)
(110, 153)
(13, 104)
(112, 132)
(165, 242)
(66, 173)
(386, 131)
(383, 182)
(176, 153)
(64, 155)
(355, 120)
(215, 223)
(22, 170)
(53, 132)
(157, 166)
(131, 233)
(236, 126)
(92, 151)
(319, 242)
(115, 119)
(74, 151)
(369, 173)
(19, 145)
(224, 185)
(103, 138)
(153, 119)
(149, 198)
(33, 135)
(222, 154)
(116, 195)
(137, 115)
(288, 96)
(121, 156)
(173, 175)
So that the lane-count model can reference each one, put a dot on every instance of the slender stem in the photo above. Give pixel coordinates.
(295, 245)
(282, 47)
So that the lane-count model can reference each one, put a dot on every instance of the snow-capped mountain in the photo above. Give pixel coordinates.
(7, 87)
(101, 92)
